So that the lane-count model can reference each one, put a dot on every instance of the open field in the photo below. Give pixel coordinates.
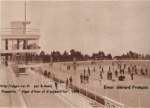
(132, 93)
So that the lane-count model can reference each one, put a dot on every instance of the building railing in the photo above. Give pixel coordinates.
(15, 31)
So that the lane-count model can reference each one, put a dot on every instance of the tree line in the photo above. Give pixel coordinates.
(133, 56)
(57, 56)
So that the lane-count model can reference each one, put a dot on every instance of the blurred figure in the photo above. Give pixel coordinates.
(129, 70)
(56, 85)
(116, 73)
(84, 71)
(94, 70)
(67, 82)
(101, 74)
(49, 74)
(81, 78)
(70, 81)
(109, 74)
(89, 72)
(102, 70)
(45, 73)
(99, 66)
(146, 71)
(131, 75)
(87, 76)
(142, 72)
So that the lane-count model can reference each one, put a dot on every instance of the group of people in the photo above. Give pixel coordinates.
(115, 71)
(86, 74)
(84, 77)
(47, 73)
(130, 70)
(118, 71)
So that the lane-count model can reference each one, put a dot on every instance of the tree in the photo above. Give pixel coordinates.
(65, 56)
(109, 56)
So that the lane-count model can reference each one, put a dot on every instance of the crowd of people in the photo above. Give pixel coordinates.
(114, 71)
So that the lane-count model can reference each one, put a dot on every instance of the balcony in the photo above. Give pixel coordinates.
(20, 33)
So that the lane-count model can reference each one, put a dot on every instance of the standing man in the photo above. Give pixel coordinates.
(100, 74)
(67, 83)
(56, 85)
(81, 78)
(94, 69)
(146, 71)
(70, 80)
(131, 75)
(116, 73)
(89, 71)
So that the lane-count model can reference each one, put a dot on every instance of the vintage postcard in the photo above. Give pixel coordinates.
(74, 54)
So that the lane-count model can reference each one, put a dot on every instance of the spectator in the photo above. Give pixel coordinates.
(70, 80)
(131, 75)
(56, 85)
(146, 71)
(89, 71)
(81, 78)
(116, 73)
(67, 82)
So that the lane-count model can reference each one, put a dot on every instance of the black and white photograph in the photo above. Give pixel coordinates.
(74, 53)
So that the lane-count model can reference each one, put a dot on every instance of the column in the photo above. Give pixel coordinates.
(18, 42)
(6, 48)
(24, 44)
(6, 44)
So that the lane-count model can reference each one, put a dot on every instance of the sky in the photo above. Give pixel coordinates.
(88, 26)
